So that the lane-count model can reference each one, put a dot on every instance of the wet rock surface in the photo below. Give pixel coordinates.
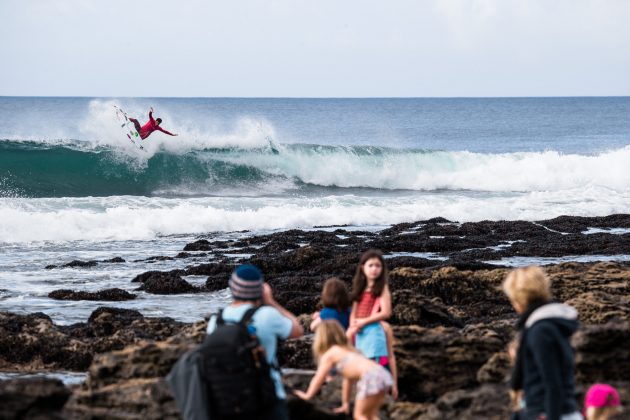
(32, 342)
(33, 398)
(85, 264)
(451, 321)
(167, 283)
(106, 295)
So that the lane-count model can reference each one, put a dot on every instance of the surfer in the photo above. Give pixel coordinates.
(151, 126)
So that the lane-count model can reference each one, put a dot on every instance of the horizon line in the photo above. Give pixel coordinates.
(313, 97)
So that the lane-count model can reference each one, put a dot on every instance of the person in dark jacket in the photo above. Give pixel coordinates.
(544, 360)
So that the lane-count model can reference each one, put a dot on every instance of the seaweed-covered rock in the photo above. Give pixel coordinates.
(105, 295)
(446, 359)
(32, 398)
(166, 284)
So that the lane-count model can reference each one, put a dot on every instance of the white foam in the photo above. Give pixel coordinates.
(141, 218)
(612, 231)
(426, 255)
(526, 261)
(415, 170)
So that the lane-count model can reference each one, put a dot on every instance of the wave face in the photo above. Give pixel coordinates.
(35, 170)
(30, 169)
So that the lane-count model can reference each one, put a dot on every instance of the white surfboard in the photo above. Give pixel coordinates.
(128, 128)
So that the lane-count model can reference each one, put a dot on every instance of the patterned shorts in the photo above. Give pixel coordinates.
(374, 381)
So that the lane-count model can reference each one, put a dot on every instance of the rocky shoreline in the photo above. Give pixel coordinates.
(451, 321)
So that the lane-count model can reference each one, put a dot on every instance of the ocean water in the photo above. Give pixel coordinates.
(72, 186)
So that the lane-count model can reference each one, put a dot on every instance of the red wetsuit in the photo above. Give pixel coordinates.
(151, 126)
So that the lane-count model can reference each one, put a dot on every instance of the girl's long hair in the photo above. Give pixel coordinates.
(359, 282)
(329, 333)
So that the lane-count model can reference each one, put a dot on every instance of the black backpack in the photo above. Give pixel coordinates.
(236, 371)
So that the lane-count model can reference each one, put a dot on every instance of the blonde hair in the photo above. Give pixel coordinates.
(525, 285)
(329, 333)
(601, 413)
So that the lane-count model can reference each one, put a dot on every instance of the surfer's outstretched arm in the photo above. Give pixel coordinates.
(151, 115)
(164, 131)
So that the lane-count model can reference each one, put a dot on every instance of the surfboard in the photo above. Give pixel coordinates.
(128, 128)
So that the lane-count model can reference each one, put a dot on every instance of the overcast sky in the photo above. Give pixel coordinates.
(315, 48)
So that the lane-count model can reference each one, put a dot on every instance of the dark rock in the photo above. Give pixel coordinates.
(496, 369)
(600, 307)
(477, 293)
(32, 398)
(320, 407)
(411, 262)
(297, 353)
(158, 275)
(436, 220)
(446, 359)
(306, 259)
(223, 269)
(410, 308)
(105, 321)
(159, 258)
(200, 245)
(167, 285)
(78, 263)
(490, 401)
(106, 295)
(114, 260)
(576, 224)
(33, 342)
(215, 283)
(307, 410)
(298, 302)
(130, 382)
(602, 352)
(405, 410)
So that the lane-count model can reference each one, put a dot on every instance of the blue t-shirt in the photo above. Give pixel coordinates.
(269, 325)
(332, 313)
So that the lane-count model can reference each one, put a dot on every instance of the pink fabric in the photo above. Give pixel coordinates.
(601, 395)
(383, 361)
(150, 127)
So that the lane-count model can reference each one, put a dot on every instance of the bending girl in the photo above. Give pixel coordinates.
(332, 350)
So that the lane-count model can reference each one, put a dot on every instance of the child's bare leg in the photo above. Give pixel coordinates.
(391, 357)
(367, 408)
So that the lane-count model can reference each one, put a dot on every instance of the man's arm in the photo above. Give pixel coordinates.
(151, 115)
(296, 327)
(164, 131)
